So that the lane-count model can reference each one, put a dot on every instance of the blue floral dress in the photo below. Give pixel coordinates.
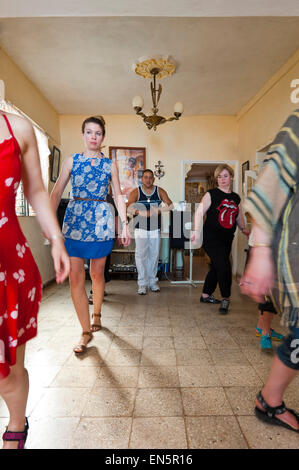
(88, 226)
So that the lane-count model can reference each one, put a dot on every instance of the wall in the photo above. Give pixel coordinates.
(191, 138)
(260, 120)
(21, 92)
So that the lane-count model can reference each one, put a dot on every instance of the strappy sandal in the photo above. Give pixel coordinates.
(270, 412)
(19, 436)
(96, 326)
(81, 348)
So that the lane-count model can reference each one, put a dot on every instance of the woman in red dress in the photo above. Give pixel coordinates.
(20, 281)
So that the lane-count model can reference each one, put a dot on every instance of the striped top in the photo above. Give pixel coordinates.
(274, 205)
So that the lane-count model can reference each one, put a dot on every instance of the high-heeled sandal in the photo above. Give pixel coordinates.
(19, 436)
(81, 348)
(96, 326)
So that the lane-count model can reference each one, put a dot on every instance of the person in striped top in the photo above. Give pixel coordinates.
(273, 267)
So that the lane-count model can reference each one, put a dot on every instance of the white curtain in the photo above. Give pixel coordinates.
(43, 148)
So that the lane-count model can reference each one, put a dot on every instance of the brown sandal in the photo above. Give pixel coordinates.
(96, 326)
(81, 348)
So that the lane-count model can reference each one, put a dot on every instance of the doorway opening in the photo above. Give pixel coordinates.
(198, 177)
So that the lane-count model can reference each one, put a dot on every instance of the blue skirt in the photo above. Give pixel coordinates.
(88, 250)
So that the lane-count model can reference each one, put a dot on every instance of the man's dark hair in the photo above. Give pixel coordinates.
(148, 171)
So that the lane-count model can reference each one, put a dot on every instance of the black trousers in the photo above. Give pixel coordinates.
(220, 267)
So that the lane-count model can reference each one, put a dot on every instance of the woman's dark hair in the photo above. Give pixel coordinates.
(96, 120)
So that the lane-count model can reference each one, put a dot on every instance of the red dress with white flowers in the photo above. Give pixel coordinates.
(20, 281)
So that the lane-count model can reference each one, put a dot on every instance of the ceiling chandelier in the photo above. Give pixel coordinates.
(155, 69)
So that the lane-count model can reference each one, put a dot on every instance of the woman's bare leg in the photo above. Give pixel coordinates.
(79, 296)
(264, 322)
(97, 269)
(14, 391)
(279, 378)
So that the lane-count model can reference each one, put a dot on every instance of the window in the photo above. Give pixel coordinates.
(22, 206)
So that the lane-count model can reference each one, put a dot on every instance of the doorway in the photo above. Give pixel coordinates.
(197, 178)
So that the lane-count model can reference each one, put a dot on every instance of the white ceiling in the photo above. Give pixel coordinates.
(83, 64)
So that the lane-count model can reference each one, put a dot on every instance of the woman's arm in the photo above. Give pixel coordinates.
(120, 204)
(241, 222)
(258, 277)
(37, 195)
(61, 183)
(201, 210)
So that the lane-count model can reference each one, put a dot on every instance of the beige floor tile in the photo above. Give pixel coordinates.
(51, 433)
(158, 377)
(78, 377)
(102, 433)
(228, 357)
(40, 376)
(183, 332)
(238, 376)
(198, 376)
(257, 357)
(242, 399)
(158, 357)
(261, 435)
(219, 340)
(157, 331)
(109, 402)
(158, 402)
(160, 342)
(123, 357)
(158, 433)
(61, 402)
(129, 331)
(94, 357)
(214, 432)
(189, 357)
(114, 377)
(153, 354)
(35, 396)
(48, 357)
(189, 342)
(127, 342)
(153, 322)
(205, 401)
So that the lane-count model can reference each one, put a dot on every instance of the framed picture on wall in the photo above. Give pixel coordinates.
(55, 166)
(245, 167)
(131, 163)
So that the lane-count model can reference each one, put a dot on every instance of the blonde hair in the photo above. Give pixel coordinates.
(222, 167)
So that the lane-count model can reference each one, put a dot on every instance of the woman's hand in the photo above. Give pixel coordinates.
(258, 278)
(195, 238)
(61, 260)
(245, 232)
(125, 235)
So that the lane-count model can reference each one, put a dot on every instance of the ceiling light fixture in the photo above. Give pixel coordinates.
(155, 69)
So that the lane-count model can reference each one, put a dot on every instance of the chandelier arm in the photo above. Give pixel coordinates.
(172, 119)
(140, 113)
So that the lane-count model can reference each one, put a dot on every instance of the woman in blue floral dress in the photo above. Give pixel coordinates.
(88, 225)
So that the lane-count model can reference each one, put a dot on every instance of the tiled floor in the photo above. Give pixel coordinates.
(164, 372)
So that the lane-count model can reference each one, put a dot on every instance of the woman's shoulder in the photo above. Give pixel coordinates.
(236, 196)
